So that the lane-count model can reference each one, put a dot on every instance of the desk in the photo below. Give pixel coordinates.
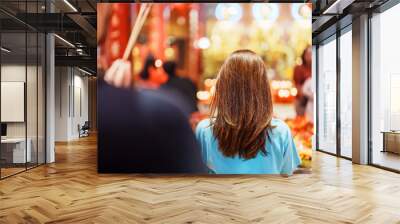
(391, 141)
(15, 148)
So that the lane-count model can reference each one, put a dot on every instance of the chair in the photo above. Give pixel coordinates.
(84, 130)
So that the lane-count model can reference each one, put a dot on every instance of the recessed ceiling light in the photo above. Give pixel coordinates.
(5, 50)
(70, 5)
(84, 71)
(337, 7)
(65, 41)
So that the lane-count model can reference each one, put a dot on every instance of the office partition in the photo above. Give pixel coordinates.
(22, 77)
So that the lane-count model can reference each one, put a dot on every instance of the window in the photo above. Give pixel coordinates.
(327, 96)
(385, 89)
(346, 93)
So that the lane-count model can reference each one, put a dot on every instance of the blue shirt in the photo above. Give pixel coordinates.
(281, 157)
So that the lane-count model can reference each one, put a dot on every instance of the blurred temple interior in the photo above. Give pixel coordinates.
(199, 37)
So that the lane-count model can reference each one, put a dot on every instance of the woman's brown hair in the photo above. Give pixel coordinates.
(241, 109)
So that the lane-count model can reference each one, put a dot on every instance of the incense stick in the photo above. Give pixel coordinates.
(141, 18)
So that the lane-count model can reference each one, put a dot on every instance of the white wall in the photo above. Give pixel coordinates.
(62, 82)
(14, 73)
(80, 110)
(71, 94)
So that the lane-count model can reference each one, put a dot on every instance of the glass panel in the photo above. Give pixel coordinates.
(31, 100)
(327, 96)
(14, 153)
(41, 98)
(385, 86)
(13, 87)
(23, 88)
(346, 94)
(32, 87)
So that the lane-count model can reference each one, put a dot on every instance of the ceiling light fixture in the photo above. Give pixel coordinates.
(84, 71)
(5, 50)
(70, 5)
(331, 7)
(337, 7)
(64, 40)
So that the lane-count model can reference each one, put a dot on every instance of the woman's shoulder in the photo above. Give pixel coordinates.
(203, 125)
(279, 126)
(203, 131)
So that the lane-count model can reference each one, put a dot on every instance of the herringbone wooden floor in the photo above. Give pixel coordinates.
(71, 191)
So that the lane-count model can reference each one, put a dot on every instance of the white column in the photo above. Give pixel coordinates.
(360, 90)
(50, 99)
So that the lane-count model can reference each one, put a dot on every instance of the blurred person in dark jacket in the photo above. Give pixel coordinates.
(183, 86)
(301, 74)
(151, 77)
(140, 131)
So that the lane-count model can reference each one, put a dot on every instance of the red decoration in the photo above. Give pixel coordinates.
(118, 31)
(157, 31)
